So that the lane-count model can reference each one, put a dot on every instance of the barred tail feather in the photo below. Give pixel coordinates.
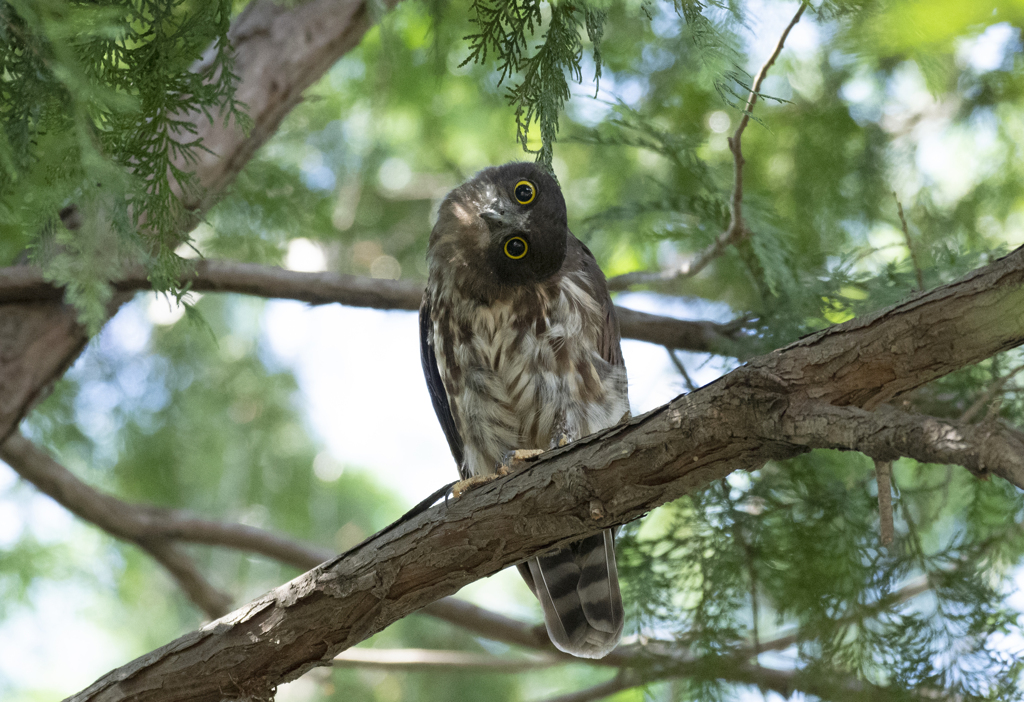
(578, 589)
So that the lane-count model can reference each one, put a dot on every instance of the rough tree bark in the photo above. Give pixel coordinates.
(815, 393)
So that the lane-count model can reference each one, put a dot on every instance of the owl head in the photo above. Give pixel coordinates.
(505, 227)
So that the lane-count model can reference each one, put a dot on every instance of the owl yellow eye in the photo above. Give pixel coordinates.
(524, 192)
(515, 248)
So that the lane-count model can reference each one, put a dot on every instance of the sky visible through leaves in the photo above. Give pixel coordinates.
(315, 421)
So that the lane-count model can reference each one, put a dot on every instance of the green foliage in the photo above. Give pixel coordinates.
(540, 94)
(357, 168)
(94, 144)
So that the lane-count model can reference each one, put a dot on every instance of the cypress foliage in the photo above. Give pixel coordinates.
(92, 103)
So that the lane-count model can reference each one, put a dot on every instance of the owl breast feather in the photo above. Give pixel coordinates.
(526, 372)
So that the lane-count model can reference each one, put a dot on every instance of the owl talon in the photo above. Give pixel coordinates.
(514, 460)
(469, 483)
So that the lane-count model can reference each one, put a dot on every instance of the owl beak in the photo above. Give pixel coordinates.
(494, 217)
(501, 216)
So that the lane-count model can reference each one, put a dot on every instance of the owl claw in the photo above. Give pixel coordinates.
(514, 460)
(510, 462)
(469, 483)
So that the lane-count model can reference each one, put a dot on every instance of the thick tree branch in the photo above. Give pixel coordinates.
(279, 52)
(154, 528)
(737, 230)
(756, 413)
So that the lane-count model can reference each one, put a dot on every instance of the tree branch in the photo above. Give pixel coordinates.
(887, 434)
(151, 527)
(154, 528)
(184, 570)
(26, 283)
(128, 522)
(279, 52)
(765, 410)
(737, 230)
(994, 389)
(421, 659)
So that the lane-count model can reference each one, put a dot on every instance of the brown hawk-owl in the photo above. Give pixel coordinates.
(520, 348)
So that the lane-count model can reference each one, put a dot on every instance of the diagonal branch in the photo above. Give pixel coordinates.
(737, 230)
(986, 397)
(186, 573)
(128, 522)
(152, 527)
(774, 407)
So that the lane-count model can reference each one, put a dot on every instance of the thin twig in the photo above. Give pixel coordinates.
(682, 369)
(625, 680)
(737, 230)
(189, 578)
(910, 244)
(911, 589)
(734, 141)
(994, 389)
(422, 659)
(883, 475)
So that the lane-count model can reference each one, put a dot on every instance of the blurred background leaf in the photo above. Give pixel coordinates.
(313, 422)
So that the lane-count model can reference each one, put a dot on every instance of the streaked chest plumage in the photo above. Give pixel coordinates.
(525, 370)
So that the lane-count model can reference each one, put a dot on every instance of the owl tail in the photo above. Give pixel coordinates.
(578, 589)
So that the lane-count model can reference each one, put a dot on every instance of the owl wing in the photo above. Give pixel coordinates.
(608, 339)
(438, 396)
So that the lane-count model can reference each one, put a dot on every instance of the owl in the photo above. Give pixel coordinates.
(520, 349)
